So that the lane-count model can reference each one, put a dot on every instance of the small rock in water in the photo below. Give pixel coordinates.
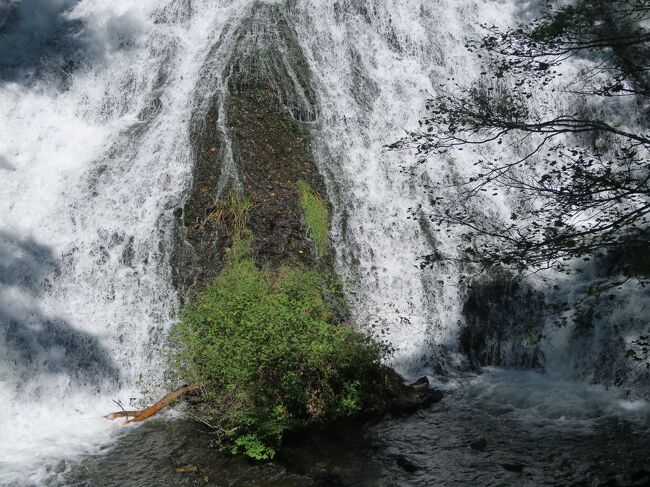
(407, 464)
(187, 469)
(478, 444)
(512, 467)
(421, 383)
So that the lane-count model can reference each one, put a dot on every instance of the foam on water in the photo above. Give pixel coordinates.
(552, 401)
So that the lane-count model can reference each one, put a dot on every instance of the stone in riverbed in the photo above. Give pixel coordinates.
(403, 397)
(420, 384)
(478, 444)
(512, 467)
(407, 464)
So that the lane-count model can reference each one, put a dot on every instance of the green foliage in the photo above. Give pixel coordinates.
(267, 353)
(316, 216)
(251, 446)
(233, 211)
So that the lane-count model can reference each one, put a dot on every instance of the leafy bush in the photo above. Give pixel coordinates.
(268, 356)
(316, 216)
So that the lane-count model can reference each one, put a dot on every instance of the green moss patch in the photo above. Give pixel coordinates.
(267, 353)
(316, 216)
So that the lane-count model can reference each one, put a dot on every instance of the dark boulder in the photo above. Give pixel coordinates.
(478, 444)
(407, 464)
(398, 396)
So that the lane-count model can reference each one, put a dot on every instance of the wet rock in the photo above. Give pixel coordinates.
(400, 397)
(478, 444)
(512, 467)
(197, 256)
(270, 151)
(273, 152)
(499, 310)
(407, 464)
(421, 383)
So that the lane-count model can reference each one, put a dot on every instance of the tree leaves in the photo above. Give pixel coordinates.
(583, 182)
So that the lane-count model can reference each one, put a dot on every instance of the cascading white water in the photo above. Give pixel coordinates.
(95, 156)
(375, 64)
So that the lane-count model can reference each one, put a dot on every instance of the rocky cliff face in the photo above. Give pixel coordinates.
(254, 139)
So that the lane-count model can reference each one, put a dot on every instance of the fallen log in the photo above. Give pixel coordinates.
(123, 414)
(139, 416)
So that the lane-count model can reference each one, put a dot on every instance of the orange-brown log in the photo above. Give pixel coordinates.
(163, 403)
(123, 414)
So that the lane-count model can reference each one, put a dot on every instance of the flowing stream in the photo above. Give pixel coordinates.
(97, 100)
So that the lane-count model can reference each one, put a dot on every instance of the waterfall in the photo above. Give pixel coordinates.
(97, 103)
(376, 62)
(95, 158)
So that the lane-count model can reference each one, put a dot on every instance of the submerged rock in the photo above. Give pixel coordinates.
(421, 383)
(187, 469)
(478, 444)
(407, 464)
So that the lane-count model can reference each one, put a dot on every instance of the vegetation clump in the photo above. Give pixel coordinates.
(316, 216)
(268, 354)
(233, 210)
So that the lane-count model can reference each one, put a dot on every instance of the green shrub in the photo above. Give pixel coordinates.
(268, 356)
(316, 216)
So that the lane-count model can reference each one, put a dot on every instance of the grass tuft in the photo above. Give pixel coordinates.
(316, 216)
(233, 210)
